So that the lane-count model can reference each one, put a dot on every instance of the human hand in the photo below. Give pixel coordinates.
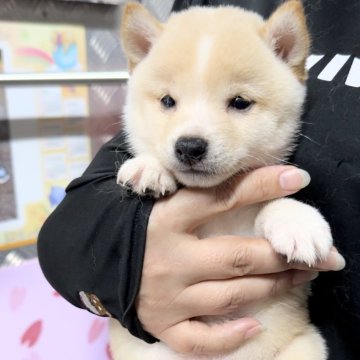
(184, 278)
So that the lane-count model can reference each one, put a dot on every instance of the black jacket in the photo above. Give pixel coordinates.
(94, 241)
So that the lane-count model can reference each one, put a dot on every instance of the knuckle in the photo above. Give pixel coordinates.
(158, 217)
(279, 284)
(192, 347)
(232, 300)
(205, 347)
(157, 276)
(156, 271)
(198, 348)
(274, 288)
(262, 187)
(242, 264)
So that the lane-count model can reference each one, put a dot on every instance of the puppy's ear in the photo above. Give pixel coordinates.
(287, 34)
(139, 30)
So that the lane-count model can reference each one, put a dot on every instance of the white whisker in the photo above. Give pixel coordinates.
(308, 138)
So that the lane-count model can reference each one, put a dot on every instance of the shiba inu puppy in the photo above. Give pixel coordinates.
(215, 92)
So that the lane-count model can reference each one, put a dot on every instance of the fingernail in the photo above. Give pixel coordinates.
(245, 324)
(303, 276)
(335, 262)
(337, 259)
(294, 179)
(253, 331)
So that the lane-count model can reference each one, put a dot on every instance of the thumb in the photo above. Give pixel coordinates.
(195, 337)
(191, 207)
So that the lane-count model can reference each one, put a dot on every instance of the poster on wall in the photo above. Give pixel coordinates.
(43, 138)
(8, 208)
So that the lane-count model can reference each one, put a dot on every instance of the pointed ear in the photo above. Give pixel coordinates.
(139, 30)
(287, 34)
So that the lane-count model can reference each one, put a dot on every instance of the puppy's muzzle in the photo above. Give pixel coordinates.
(190, 150)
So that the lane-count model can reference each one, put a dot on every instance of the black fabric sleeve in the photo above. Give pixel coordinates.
(94, 240)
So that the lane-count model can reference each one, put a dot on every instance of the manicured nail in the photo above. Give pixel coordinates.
(334, 261)
(304, 276)
(248, 326)
(253, 331)
(294, 179)
(337, 259)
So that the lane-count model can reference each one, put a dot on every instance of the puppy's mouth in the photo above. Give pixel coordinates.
(199, 177)
(192, 171)
(200, 168)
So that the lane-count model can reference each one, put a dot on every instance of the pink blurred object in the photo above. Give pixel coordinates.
(32, 334)
(38, 324)
(96, 329)
(17, 297)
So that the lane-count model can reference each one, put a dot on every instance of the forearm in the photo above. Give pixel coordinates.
(94, 240)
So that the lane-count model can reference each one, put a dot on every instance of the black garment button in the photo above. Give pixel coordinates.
(93, 304)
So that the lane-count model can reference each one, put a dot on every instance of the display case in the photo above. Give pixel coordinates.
(63, 78)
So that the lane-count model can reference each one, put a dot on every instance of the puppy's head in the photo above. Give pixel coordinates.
(214, 91)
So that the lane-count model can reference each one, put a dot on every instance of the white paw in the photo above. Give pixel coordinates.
(295, 230)
(146, 176)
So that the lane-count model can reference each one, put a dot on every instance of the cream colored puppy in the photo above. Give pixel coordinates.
(215, 92)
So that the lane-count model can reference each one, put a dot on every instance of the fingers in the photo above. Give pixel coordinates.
(227, 257)
(191, 207)
(220, 297)
(197, 338)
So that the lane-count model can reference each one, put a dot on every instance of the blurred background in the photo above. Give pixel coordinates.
(62, 86)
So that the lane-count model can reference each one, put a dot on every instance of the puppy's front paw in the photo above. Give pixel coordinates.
(295, 230)
(146, 176)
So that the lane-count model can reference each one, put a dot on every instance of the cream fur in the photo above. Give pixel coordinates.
(203, 58)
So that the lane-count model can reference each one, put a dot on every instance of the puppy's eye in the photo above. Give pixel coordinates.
(239, 103)
(168, 102)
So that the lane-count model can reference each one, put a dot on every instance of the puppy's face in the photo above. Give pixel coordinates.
(214, 91)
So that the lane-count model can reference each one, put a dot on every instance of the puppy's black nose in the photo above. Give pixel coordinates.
(190, 150)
